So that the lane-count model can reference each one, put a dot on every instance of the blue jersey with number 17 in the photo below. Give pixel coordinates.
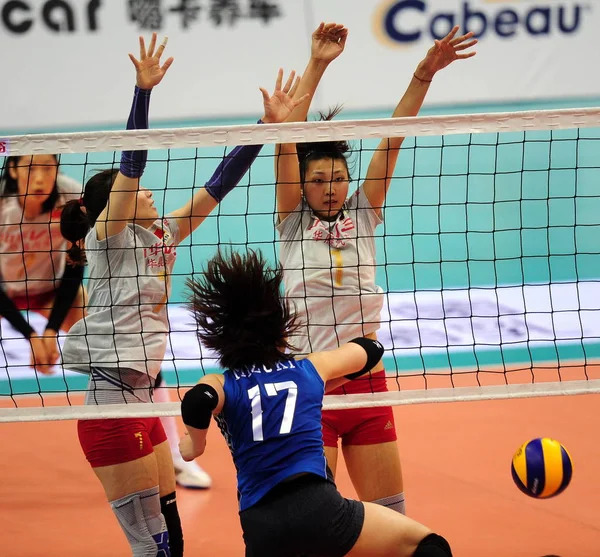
(271, 420)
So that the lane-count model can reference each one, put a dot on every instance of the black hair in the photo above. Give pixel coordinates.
(80, 215)
(11, 187)
(240, 311)
(335, 150)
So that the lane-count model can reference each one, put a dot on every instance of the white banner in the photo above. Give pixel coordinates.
(413, 324)
(528, 50)
(65, 63)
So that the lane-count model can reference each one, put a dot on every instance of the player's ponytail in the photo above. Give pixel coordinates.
(80, 215)
(74, 225)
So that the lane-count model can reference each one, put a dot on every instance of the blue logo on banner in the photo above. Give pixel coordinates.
(407, 21)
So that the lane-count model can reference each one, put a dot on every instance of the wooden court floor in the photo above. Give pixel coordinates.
(456, 460)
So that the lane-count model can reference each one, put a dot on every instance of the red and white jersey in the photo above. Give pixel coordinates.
(33, 251)
(128, 287)
(329, 273)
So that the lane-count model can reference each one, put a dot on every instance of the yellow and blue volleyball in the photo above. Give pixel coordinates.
(542, 468)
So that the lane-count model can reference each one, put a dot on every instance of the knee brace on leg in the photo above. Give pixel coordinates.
(433, 546)
(168, 506)
(394, 502)
(143, 523)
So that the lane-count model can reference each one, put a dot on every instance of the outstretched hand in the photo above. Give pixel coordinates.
(280, 105)
(148, 68)
(328, 42)
(444, 52)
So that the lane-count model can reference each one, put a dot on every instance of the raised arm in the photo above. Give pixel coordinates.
(383, 163)
(235, 165)
(328, 42)
(120, 208)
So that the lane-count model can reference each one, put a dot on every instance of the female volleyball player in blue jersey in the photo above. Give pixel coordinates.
(121, 342)
(34, 273)
(268, 406)
(327, 251)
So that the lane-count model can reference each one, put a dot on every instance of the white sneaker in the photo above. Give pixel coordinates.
(190, 475)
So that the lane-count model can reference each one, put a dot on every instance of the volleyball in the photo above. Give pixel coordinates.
(542, 468)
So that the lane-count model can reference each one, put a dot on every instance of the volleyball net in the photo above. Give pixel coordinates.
(489, 253)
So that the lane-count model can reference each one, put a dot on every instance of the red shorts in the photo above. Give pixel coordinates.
(35, 302)
(115, 441)
(360, 426)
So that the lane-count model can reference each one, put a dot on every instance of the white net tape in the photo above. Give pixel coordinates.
(258, 134)
(332, 402)
(359, 130)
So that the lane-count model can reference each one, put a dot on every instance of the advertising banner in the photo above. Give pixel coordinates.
(65, 63)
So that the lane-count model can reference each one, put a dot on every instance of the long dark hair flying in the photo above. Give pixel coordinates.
(240, 311)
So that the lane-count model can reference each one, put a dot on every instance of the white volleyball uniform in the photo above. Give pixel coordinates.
(33, 251)
(128, 286)
(329, 273)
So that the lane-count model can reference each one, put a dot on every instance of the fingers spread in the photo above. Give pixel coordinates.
(142, 49)
(152, 46)
(265, 95)
(135, 61)
(462, 38)
(162, 47)
(279, 80)
(464, 46)
(302, 99)
(289, 82)
(167, 64)
(450, 35)
(295, 87)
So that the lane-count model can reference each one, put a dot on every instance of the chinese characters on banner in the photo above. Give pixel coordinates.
(152, 14)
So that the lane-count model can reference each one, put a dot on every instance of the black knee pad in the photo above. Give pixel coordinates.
(433, 546)
(168, 507)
